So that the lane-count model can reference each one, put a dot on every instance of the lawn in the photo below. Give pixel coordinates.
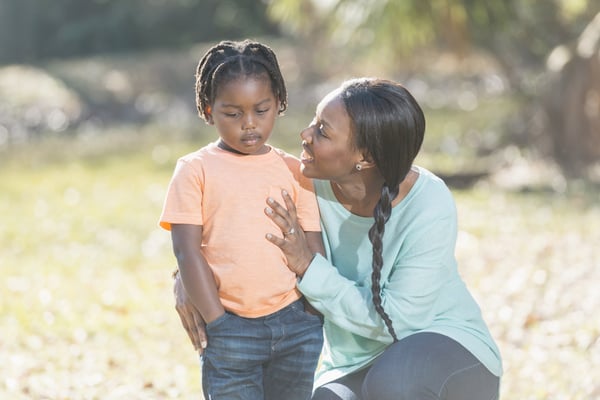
(87, 311)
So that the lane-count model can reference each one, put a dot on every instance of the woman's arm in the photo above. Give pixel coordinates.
(409, 292)
(314, 241)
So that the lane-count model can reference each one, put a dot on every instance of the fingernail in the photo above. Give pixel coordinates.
(284, 192)
(268, 210)
(270, 200)
(203, 344)
(269, 236)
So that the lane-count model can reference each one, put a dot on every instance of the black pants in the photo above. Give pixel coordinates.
(423, 366)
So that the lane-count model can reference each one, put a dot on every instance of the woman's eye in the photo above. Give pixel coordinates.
(319, 128)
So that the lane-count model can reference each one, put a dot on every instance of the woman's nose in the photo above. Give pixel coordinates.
(305, 135)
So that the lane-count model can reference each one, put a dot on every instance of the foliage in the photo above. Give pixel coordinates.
(87, 308)
(519, 36)
(519, 33)
(31, 30)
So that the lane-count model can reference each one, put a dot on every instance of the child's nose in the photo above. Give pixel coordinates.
(248, 123)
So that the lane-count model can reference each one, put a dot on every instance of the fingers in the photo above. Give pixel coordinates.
(289, 204)
(200, 333)
(279, 242)
(284, 217)
(188, 325)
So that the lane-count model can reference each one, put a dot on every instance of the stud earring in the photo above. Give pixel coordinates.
(358, 167)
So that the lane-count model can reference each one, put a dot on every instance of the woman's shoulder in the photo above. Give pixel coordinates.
(431, 193)
(430, 182)
(285, 156)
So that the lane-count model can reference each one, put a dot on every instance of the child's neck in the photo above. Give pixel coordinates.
(223, 146)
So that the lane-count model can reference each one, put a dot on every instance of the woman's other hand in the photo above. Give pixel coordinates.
(190, 317)
(294, 243)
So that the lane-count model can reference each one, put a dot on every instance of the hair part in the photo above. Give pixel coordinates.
(388, 126)
(231, 60)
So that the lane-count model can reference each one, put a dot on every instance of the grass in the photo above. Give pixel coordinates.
(87, 309)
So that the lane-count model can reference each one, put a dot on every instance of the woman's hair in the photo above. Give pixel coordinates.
(388, 127)
(228, 61)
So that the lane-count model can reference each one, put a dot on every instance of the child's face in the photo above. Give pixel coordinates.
(244, 113)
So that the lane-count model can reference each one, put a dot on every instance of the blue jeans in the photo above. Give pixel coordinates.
(423, 366)
(271, 358)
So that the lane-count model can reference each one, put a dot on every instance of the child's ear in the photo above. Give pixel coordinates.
(208, 112)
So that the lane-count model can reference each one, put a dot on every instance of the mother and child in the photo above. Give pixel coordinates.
(341, 261)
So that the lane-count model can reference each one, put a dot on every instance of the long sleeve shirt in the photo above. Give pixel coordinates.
(421, 288)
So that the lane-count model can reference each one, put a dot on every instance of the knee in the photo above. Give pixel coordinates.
(395, 386)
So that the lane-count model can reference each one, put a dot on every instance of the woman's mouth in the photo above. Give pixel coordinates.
(305, 157)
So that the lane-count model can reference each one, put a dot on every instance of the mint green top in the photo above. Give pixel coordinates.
(421, 288)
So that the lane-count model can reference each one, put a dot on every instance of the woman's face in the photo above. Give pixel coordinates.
(328, 151)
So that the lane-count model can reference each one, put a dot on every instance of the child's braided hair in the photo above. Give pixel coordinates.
(230, 60)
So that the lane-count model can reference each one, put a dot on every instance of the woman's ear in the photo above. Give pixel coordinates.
(365, 163)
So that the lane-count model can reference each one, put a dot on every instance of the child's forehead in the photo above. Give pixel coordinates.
(248, 88)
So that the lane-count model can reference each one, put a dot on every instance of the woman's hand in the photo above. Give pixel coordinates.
(293, 243)
(190, 317)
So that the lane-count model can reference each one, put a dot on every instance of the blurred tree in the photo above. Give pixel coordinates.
(33, 30)
(519, 34)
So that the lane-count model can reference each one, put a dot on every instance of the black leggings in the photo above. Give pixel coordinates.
(423, 366)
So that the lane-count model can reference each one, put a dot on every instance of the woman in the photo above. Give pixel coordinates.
(399, 322)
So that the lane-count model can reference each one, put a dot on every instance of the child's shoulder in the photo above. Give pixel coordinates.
(204, 152)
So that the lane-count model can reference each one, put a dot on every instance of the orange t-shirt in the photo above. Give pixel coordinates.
(226, 193)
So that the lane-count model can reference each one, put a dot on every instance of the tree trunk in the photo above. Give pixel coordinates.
(572, 106)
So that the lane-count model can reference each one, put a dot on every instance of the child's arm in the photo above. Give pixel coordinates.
(196, 276)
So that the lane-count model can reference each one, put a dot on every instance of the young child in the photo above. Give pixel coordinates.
(261, 343)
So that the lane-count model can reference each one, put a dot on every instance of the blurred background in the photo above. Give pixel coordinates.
(97, 103)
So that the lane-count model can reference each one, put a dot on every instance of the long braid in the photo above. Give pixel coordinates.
(231, 60)
(388, 126)
(382, 213)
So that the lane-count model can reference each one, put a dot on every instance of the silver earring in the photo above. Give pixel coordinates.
(358, 167)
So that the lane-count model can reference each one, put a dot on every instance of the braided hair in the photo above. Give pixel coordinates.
(388, 125)
(231, 60)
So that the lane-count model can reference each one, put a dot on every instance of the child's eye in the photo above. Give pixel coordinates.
(231, 115)
(262, 111)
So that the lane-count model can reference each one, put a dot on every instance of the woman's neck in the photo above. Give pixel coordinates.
(360, 196)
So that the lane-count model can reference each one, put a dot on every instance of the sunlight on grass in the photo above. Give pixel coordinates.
(87, 308)
(87, 270)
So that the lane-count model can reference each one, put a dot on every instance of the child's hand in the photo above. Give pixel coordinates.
(190, 317)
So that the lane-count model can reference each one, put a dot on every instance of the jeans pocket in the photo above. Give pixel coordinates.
(214, 324)
(305, 312)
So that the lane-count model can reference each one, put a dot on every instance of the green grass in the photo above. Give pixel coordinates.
(87, 312)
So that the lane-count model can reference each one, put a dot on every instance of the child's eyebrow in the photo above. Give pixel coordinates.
(260, 103)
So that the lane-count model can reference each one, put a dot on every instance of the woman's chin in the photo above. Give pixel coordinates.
(306, 170)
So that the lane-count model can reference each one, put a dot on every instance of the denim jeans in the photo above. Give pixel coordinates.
(423, 366)
(271, 358)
